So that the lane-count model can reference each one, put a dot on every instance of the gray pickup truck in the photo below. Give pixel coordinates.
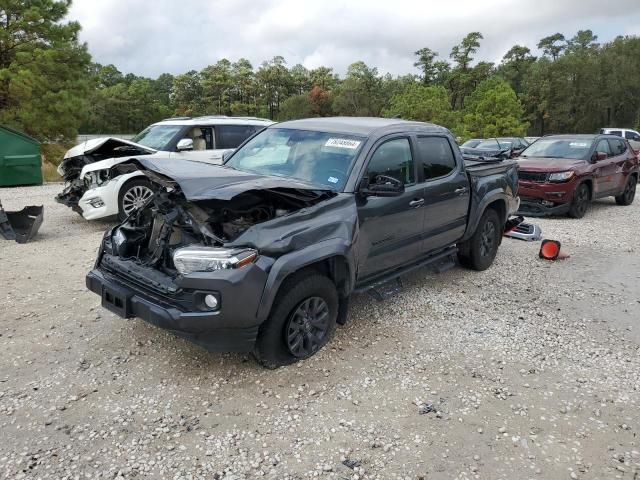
(263, 253)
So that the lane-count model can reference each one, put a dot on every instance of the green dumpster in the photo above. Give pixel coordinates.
(20, 160)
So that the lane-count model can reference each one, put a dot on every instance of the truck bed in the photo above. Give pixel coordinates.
(477, 168)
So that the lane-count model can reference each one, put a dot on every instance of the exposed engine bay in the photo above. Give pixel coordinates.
(151, 235)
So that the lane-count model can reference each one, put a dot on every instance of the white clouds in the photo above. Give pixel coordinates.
(149, 38)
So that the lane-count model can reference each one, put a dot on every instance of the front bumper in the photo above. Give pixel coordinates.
(533, 207)
(231, 328)
(100, 202)
(539, 199)
(70, 196)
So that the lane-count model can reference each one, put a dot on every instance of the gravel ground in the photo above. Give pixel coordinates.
(528, 370)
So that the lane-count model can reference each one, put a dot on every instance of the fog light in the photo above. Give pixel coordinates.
(211, 301)
(96, 202)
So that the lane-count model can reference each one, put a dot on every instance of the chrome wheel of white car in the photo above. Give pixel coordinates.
(135, 197)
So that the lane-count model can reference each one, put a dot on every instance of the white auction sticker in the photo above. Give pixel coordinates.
(342, 143)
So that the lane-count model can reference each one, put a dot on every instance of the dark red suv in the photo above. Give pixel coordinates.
(562, 174)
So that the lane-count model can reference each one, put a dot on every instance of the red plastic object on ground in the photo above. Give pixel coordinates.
(552, 250)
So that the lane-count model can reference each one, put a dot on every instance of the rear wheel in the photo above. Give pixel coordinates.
(629, 192)
(480, 250)
(580, 202)
(301, 322)
(132, 196)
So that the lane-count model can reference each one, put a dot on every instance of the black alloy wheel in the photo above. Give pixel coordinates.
(488, 239)
(307, 327)
(580, 202)
(302, 320)
(629, 192)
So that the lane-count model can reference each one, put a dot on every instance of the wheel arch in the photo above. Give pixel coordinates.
(588, 181)
(500, 206)
(497, 201)
(330, 258)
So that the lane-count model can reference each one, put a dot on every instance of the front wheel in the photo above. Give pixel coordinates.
(301, 322)
(133, 195)
(629, 192)
(480, 250)
(580, 202)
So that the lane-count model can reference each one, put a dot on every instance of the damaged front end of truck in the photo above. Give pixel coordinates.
(204, 245)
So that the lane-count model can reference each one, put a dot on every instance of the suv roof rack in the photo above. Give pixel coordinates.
(231, 118)
(175, 118)
(212, 117)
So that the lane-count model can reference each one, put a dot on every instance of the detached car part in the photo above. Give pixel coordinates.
(518, 229)
(22, 225)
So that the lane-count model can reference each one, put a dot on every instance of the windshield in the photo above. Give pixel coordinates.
(316, 157)
(471, 143)
(157, 136)
(492, 144)
(570, 148)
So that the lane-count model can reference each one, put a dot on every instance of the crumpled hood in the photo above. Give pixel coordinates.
(539, 164)
(203, 181)
(483, 152)
(90, 146)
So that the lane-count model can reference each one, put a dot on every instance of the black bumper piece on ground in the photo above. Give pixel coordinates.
(23, 225)
(201, 328)
(536, 209)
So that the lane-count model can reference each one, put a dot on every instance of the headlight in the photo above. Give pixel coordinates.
(60, 170)
(560, 176)
(209, 259)
(96, 178)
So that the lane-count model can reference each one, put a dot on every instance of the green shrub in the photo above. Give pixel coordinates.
(50, 173)
(53, 152)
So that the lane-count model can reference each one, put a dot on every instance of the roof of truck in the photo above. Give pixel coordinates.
(357, 125)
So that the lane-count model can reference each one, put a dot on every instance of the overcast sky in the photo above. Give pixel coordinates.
(149, 37)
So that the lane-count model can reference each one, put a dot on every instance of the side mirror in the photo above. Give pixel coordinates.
(383, 186)
(597, 156)
(185, 144)
(226, 155)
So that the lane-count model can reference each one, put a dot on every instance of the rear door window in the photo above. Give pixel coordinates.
(436, 157)
(231, 136)
(618, 147)
(632, 136)
(615, 132)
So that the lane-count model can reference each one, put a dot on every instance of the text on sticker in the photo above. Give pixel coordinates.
(342, 143)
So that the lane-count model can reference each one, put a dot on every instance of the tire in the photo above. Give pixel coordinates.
(629, 192)
(480, 250)
(580, 202)
(131, 196)
(286, 327)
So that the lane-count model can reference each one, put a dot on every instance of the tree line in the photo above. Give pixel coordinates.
(50, 88)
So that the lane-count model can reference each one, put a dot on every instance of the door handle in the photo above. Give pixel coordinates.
(460, 191)
(418, 202)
